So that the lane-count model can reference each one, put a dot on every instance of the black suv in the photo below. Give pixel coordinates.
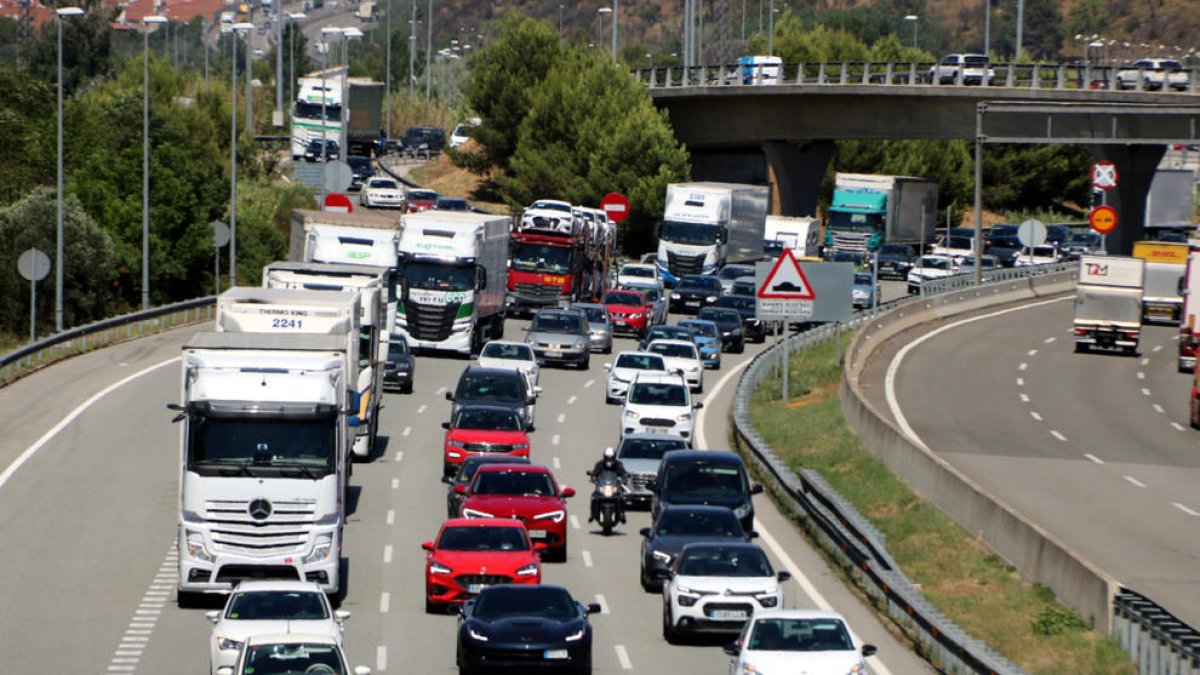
(713, 477)
(753, 329)
(312, 153)
(497, 386)
(729, 322)
(424, 141)
(695, 291)
(361, 170)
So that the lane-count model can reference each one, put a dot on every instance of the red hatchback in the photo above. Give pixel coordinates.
(471, 554)
(478, 429)
(526, 492)
(629, 311)
(419, 200)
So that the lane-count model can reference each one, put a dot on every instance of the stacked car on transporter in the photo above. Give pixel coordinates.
(559, 254)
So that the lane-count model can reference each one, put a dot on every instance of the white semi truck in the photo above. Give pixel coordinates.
(452, 279)
(263, 463)
(246, 309)
(1108, 303)
(706, 225)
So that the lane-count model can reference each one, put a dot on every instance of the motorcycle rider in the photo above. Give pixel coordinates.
(608, 463)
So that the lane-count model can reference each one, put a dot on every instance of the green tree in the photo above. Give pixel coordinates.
(1087, 17)
(89, 268)
(1036, 177)
(87, 48)
(27, 114)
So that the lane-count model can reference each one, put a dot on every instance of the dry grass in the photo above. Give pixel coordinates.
(447, 179)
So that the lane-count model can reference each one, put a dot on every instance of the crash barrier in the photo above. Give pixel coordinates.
(95, 335)
(1159, 643)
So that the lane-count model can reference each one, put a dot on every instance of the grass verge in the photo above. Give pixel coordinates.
(973, 587)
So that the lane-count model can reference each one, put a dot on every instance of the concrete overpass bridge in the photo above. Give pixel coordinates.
(736, 131)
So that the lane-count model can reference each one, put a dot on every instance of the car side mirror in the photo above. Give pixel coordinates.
(662, 575)
(537, 390)
(698, 405)
(342, 615)
(213, 616)
(225, 670)
(732, 649)
(530, 429)
(869, 650)
(756, 489)
(362, 670)
(568, 492)
(448, 480)
(428, 546)
(461, 610)
(446, 425)
(645, 532)
(752, 534)
(449, 396)
(460, 489)
(592, 608)
(608, 366)
(783, 576)
(652, 484)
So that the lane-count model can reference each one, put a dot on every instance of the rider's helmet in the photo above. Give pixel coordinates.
(609, 453)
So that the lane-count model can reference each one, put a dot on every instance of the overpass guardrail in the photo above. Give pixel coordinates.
(1020, 75)
(1156, 641)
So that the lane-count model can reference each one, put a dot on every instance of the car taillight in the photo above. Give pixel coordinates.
(1081, 331)
(1131, 334)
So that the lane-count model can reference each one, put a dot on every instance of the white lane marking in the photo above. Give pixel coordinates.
(562, 417)
(1145, 361)
(128, 653)
(1032, 352)
(1020, 382)
(1145, 391)
(387, 554)
(574, 523)
(1055, 433)
(623, 657)
(1024, 398)
(1141, 375)
(894, 367)
(385, 601)
(422, 408)
(587, 558)
(1185, 509)
(571, 401)
(391, 516)
(1134, 481)
(381, 658)
(554, 439)
(70, 417)
(603, 603)
(588, 383)
(1159, 409)
(440, 391)
(1034, 414)
(395, 483)
(1157, 348)
(407, 431)
(1023, 366)
(399, 456)
(1093, 458)
(557, 463)
(1177, 425)
(1050, 340)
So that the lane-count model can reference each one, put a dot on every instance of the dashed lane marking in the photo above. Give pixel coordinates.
(588, 383)
(1185, 509)
(1145, 361)
(1023, 366)
(1177, 426)
(1157, 348)
(587, 558)
(407, 431)
(391, 516)
(1145, 391)
(387, 554)
(557, 462)
(422, 408)
(554, 439)
(129, 651)
(574, 523)
(1094, 459)
(1034, 414)
(571, 401)
(603, 603)
(1032, 352)
(1159, 409)
(1141, 375)
(1133, 481)
(399, 456)
(381, 658)
(1024, 398)
(1055, 433)
(562, 417)
(1020, 382)
(385, 602)
(395, 483)
(1050, 340)
(623, 657)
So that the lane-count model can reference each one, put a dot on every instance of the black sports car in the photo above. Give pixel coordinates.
(683, 524)
(526, 629)
(753, 328)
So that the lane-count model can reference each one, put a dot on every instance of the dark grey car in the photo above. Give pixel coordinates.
(560, 336)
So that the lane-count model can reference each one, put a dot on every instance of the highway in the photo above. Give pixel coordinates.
(1094, 447)
(88, 516)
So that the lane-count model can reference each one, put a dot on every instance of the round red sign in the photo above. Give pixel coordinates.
(1103, 219)
(616, 206)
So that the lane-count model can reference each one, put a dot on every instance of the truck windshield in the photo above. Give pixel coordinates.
(312, 111)
(542, 258)
(866, 222)
(693, 234)
(255, 443)
(438, 277)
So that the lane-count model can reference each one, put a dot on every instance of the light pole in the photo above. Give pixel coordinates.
(238, 29)
(616, 10)
(1020, 27)
(913, 19)
(771, 29)
(278, 11)
(326, 32)
(147, 21)
(599, 23)
(560, 22)
(249, 82)
(412, 44)
(387, 86)
(294, 17)
(987, 28)
(429, 51)
(347, 35)
(62, 13)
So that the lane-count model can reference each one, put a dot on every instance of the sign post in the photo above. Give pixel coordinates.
(220, 232)
(33, 265)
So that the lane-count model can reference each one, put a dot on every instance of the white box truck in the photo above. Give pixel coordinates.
(347, 238)
(869, 211)
(1162, 291)
(453, 266)
(263, 465)
(706, 225)
(1108, 303)
(801, 235)
(1189, 338)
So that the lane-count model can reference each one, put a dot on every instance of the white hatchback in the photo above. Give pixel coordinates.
(264, 607)
(513, 355)
(715, 587)
(797, 640)
(659, 403)
(626, 367)
(681, 356)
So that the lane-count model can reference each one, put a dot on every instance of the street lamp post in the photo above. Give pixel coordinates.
(412, 44)
(387, 86)
(62, 13)
(327, 32)
(294, 17)
(429, 52)
(347, 35)
(771, 29)
(913, 19)
(278, 12)
(147, 21)
(249, 83)
(616, 9)
(599, 23)
(238, 29)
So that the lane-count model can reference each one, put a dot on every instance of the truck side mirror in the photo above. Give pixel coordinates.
(480, 277)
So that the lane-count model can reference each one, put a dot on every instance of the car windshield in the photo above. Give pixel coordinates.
(491, 388)
(1005, 242)
(383, 184)
(503, 350)
(546, 322)
(862, 278)
(452, 204)
(1085, 238)
(651, 294)
(669, 333)
(674, 350)
(640, 362)
(703, 329)
(276, 606)
(594, 314)
(735, 272)
(703, 479)
(956, 242)
(261, 442)
(736, 302)
(653, 393)
(542, 601)
(542, 257)
(421, 194)
(637, 271)
(895, 249)
(744, 287)
(700, 283)
(623, 298)
(483, 538)
(524, 483)
(719, 315)
(293, 657)
(649, 448)
(718, 561)
(975, 60)
(552, 206)
(936, 263)
(471, 464)
(685, 522)
(397, 348)
(487, 419)
(439, 277)
(800, 635)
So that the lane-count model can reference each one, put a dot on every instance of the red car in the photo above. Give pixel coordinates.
(526, 492)
(629, 311)
(483, 430)
(470, 554)
(419, 200)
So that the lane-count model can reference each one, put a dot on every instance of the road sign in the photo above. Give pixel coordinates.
(829, 287)
(220, 233)
(1032, 233)
(338, 176)
(1104, 175)
(786, 281)
(33, 265)
(1103, 219)
(616, 205)
(338, 203)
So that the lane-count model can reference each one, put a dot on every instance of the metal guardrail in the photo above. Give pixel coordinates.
(1159, 643)
(101, 334)
(1020, 75)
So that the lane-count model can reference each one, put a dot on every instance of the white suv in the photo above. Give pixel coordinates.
(659, 403)
(715, 587)
(964, 69)
(1153, 74)
(681, 356)
(637, 273)
(627, 366)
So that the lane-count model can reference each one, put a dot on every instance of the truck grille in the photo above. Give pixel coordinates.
(850, 241)
(538, 291)
(284, 530)
(432, 323)
(684, 264)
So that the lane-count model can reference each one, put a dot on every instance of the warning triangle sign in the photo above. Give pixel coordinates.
(786, 281)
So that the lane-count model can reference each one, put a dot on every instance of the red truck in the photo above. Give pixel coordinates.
(555, 265)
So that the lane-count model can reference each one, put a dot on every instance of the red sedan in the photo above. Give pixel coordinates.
(629, 311)
(483, 430)
(469, 555)
(419, 200)
(526, 492)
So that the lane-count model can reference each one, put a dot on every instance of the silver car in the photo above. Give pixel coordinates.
(560, 336)
(641, 454)
(600, 333)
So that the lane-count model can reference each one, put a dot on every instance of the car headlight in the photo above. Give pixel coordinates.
(859, 668)
(769, 601)
(196, 548)
(520, 447)
(552, 516)
(686, 417)
(438, 568)
(664, 558)
(687, 600)
(676, 296)
(228, 644)
(742, 511)
(476, 636)
(711, 298)
(475, 513)
(749, 669)
(321, 550)
(632, 415)
(575, 637)
(456, 444)
(529, 570)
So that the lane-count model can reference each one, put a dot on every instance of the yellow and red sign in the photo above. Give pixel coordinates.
(1103, 219)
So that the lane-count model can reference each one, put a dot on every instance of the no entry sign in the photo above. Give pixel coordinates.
(616, 205)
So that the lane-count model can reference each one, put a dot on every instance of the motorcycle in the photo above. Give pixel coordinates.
(607, 500)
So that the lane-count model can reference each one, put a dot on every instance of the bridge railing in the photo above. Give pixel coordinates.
(1020, 75)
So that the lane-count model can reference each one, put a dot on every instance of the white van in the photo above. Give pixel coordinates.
(759, 70)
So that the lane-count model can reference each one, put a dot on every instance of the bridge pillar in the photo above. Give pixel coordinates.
(798, 170)
(1136, 165)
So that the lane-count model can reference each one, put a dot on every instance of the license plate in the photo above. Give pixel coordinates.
(553, 354)
(728, 614)
(557, 654)
(692, 303)
(475, 588)
(655, 430)
(537, 534)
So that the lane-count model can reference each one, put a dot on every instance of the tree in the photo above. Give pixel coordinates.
(27, 114)
(89, 268)
(1036, 177)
